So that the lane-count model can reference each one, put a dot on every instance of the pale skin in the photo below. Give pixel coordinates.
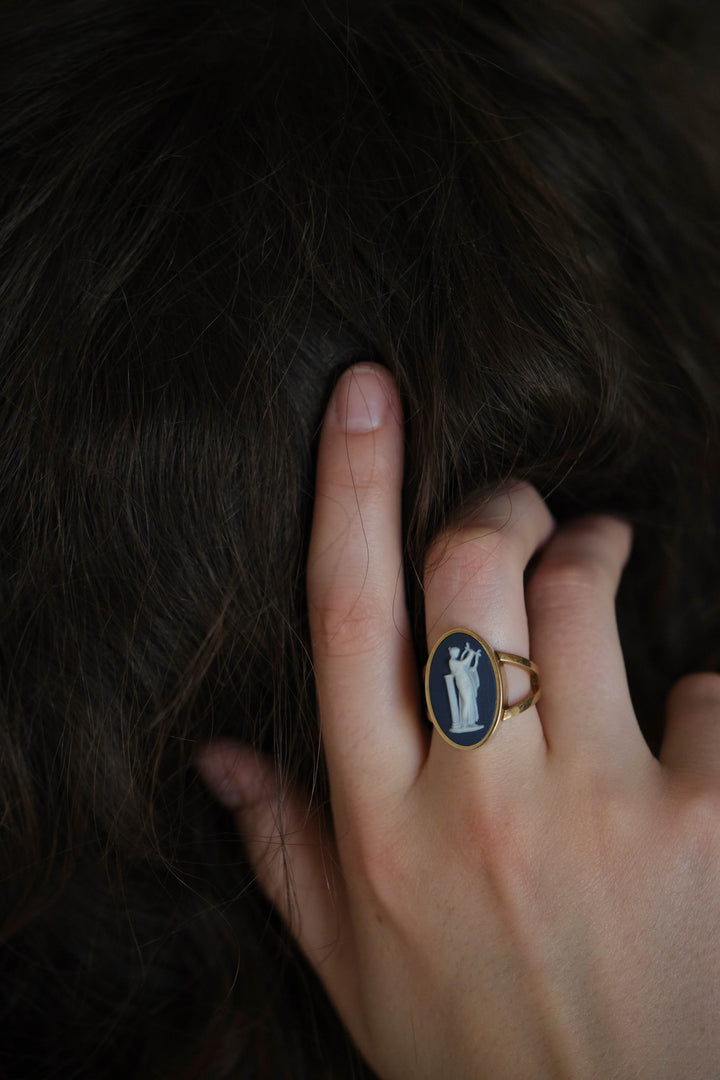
(547, 905)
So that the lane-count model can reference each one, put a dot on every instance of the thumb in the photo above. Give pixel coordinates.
(286, 843)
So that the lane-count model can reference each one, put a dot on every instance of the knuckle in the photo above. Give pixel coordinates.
(701, 815)
(566, 582)
(607, 534)
(698, 830)
(497, 829)
(350, 624)
(700, 688)
(472, 555)
(495, 837)
(504, 849)
(379, 858)
(366, 474)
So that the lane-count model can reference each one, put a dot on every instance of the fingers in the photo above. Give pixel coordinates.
(691, 744)
(474, 580)
(474, 575)
(291, 857)
(585, 705)
(570, 629)
(364, 663)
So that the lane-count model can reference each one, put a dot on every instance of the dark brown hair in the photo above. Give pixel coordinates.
(209, 209)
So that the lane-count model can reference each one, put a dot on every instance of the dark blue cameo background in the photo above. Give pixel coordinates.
(463, 694)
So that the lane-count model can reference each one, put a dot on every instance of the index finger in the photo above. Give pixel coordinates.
(362, 650)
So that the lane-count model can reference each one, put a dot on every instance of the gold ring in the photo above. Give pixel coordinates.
(465, 688)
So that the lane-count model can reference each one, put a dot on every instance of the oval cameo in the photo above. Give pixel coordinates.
(463, 688)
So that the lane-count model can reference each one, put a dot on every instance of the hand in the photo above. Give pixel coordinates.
(547, 905)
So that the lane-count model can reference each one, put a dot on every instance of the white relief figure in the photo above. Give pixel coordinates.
(462, 687)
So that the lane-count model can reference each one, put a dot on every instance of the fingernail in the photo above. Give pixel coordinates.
(361, 400)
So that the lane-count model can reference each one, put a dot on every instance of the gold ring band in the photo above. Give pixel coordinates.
(532, 670)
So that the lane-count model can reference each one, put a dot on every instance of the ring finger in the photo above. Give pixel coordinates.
(474, 580)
